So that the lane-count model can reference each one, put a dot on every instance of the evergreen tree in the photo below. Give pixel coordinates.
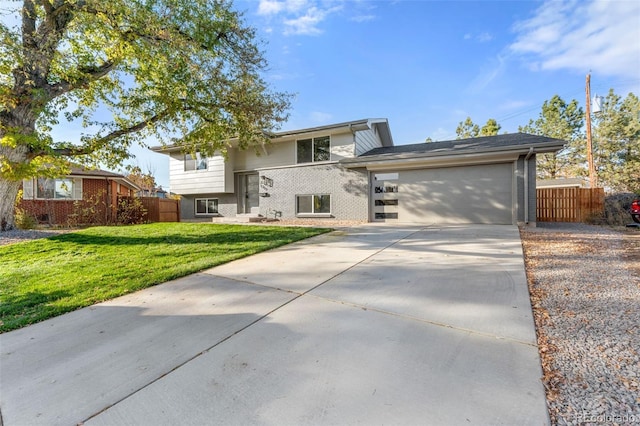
(616, 140)
(491, 128)
(559, 120)
(467, 129)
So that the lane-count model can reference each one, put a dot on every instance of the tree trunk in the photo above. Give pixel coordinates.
(8, 193)
(9, 187)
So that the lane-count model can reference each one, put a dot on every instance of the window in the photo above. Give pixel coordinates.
(196, 162)
(206, 206)
(313, 204)
(312, 150)
(55, 189)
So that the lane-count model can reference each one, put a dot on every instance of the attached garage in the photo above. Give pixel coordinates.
(473, 194)
(487, 180)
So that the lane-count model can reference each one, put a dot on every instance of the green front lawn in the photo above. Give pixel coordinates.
(44, 278)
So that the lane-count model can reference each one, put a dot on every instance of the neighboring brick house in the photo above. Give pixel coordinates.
(353, 171)
(92, 194)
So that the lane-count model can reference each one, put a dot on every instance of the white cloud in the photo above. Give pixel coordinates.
(484, 37)
(595, 35)
(270, 7)
(481, 38)
(302, 17)
(494, 68)
(441, 134)
(306, 24)
(273, 7)
(363, 18)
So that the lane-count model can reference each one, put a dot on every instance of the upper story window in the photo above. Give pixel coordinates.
(314, 149)
(197, 162)
(55, 189)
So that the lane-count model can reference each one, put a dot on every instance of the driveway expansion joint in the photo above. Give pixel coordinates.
(426, 321)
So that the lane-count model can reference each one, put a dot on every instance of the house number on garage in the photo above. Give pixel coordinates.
(383, 189)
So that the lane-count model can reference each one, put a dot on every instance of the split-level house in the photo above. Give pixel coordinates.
(353, 171)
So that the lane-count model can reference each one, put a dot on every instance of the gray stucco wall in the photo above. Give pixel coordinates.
(227, 205)
(348, 189)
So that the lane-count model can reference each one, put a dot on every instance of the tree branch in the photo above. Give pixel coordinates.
(75, 151)
(91, 74)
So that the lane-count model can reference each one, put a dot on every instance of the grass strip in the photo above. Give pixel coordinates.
(44, 278)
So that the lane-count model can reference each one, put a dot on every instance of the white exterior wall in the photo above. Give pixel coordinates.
(366, 140)
(342, 146)
(217, 178)
(278, 154)
(283, 153)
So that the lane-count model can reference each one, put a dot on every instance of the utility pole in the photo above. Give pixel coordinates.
(593, 179)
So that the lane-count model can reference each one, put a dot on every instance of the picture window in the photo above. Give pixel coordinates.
(313, 150)
(313, 204)
(206, 206)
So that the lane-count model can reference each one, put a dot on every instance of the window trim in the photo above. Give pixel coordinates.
(312, 213)
(72, 191)
(313, 152)
(206, 200)
(198, 159)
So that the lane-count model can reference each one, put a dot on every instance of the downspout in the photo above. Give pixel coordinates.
(526, 185)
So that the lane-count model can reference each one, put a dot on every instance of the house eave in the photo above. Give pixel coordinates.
(116, 178)
(381, 124)
(413, 160)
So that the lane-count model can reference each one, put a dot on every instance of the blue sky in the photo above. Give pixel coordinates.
(427, 65)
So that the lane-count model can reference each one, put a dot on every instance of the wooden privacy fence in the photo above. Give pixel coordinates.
(568, 204)
(161, 209)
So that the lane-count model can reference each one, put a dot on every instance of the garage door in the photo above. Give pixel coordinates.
(471, 194)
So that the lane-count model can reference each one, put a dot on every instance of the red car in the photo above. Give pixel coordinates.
(635, 211)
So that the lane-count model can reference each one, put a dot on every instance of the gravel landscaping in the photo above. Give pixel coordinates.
(19, 235)
(585, 289)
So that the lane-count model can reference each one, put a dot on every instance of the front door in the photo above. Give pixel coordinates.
(249, 195)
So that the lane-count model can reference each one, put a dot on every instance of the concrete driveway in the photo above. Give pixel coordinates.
(368, 325)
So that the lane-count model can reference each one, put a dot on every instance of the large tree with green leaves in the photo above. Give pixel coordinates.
(561, 120)
(126, 70)
(616, 137)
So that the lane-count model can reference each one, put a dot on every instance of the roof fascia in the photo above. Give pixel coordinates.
(345, 127)
(521, 149)
(412, 161)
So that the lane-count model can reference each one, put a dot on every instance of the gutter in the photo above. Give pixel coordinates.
(388, 157)
(526, 185)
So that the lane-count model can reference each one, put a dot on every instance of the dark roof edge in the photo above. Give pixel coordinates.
(553, 145)
(102, 174)
(347, 125)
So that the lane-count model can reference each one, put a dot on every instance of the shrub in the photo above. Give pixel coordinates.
(25, 220)
(131, 211)
(616, 208)
(90, 211)
(22, 218)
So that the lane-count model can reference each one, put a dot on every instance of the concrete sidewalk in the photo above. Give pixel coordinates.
(372, 325)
